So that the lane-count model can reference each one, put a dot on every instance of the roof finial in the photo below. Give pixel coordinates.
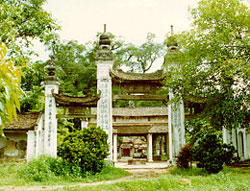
(105, 27)
(172, 30)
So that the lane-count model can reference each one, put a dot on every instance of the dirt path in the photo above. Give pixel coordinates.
(135, 174)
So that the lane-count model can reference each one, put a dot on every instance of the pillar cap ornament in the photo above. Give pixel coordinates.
(104, 38)
(171, 41)
(104, 53)
(51, 70)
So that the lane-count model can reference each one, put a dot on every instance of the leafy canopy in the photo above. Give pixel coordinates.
(21, 22)
(139, 58)
(10, 78)
(211, 66)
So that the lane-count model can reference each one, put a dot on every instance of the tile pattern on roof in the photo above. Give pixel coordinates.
(140, 111)
(25, 121)
(119, 74)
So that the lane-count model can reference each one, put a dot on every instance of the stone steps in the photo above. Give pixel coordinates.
(245, 163)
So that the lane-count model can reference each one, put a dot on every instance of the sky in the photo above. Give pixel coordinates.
(131, 20)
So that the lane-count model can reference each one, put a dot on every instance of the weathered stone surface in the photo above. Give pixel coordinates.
(10, 150)
(104, 62)
(21, 145)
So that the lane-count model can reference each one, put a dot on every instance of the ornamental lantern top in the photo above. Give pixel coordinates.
(172, 44)
(104, 38)
(104, 53)
(51, 70)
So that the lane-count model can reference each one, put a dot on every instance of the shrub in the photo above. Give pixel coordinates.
(38, 169)
(184, 157)
(211, 153)
(85, 149)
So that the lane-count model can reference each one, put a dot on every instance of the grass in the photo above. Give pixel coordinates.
(181, 180)
(229, 179)
(9, 176)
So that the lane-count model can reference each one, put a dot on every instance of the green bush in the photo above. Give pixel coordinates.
(85, 149)
(38, 169)
(46, 168)
(211, 153)
(184, 157)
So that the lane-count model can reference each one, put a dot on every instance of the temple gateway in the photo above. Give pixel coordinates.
(149, 133)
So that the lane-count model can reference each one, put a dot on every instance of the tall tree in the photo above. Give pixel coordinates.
(140, 58)
(21, 22)
(212, 64)
(76, 69)
(33, 99)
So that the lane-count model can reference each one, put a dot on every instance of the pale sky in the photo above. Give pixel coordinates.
(130, 19)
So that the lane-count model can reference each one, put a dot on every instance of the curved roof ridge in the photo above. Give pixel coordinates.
(155, 76)
(68, 100)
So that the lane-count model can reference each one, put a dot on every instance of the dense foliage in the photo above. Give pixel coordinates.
(76, 68)
(52, 170)
(139, 58)
(211, 153)
(10, 79)
(21, 22)
(40, 169)
(86, 149)
(211, 65)
(184, 158)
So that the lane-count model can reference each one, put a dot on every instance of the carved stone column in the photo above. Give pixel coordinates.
(104, 62)
(50, 128)
(150, 148)
(175, 110)
(31, 145)
(176, 127)
(170, 138)
(115, 147)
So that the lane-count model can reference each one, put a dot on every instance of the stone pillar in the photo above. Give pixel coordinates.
(39, 146)
(234, 138)
(224, 135)
(175, 110)
(132, 152)
(31, 145)
(170, 139)
(161, 146)
(50, 128)
(150, 148)
(167, 145)
(104, 62)
(244, 143)
(115, 147)
(227, 136)
(84, 124)
(176, 113)
(40, 136)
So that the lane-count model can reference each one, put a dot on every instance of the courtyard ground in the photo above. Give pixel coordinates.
(155, 176)
(136, 172)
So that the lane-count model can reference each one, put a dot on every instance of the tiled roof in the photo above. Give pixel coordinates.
(84, 101)
(25, 121)
(140, 111)
(121, 75)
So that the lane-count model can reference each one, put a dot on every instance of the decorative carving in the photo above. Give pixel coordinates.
(104, 54)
